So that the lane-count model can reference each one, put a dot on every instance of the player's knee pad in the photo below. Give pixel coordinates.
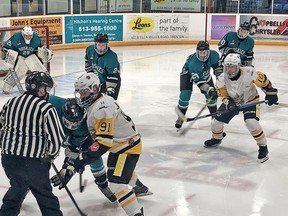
(252, 124)
(217, 125)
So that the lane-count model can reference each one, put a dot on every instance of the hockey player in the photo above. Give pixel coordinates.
(30, 132)
(23, 52)
(237, 86)
(101, 60)
(238, 42)
(77, 139)
(196, 70)
(114, 131)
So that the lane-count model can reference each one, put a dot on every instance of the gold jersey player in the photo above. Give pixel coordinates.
(114, 131)
(237, 86)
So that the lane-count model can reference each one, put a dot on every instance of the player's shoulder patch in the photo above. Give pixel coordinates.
(94, 147)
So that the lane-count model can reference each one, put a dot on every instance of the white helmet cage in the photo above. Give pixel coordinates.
(232, 59)
(27, 34)
(87, 82)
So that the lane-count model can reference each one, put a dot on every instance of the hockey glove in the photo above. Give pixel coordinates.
(227, 50)
(231, 106)
(271, 96)
(80, 162)
(110, 91)
(212, 93)
(218, 71)
(65, 174)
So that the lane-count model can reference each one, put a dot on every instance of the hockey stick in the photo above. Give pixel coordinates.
(81, 185)
(67, 190)
(17, 81)
(183, 130)
(221, 112)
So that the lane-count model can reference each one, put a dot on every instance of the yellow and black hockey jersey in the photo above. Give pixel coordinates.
(112, 128)
(243, 90)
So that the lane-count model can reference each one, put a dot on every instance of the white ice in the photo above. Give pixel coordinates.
(186, 178)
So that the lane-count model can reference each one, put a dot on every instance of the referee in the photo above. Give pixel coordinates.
(30, 131)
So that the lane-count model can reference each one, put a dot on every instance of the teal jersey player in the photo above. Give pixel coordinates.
(18, 43)
(23, 52)
(100, 59)
(238, 42)
(196, 70)
(78, 139)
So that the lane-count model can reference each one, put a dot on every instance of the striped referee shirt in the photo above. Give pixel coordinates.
(30, 127)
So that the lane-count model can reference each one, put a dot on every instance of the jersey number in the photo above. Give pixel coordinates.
(105, 127)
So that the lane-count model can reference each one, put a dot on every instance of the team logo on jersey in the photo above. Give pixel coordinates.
(141, 24)
(232, 42)
(94, 147)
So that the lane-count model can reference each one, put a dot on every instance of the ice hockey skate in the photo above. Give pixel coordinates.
(141, 191)
(108, 193)
(178, 123)
(213, 142)
(141, 213)
(263, 154)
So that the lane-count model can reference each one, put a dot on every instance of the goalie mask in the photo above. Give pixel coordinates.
(232, 64)
(243, 30)
(87, 88)
(27, 34)
(73, 114)
(101, 43)
(36, 80)
(202, 51)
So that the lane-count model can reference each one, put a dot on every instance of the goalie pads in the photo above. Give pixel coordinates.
(20, 70)
(44, 54)
(10, 58)
(34, 64)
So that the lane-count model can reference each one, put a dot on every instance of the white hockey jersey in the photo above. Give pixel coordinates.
(243, 90)
(111, 127)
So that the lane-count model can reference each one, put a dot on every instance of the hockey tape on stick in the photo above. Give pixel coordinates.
(82, 184)
(68, 191)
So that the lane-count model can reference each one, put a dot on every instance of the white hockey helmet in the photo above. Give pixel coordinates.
(87, 88)
(27, 34)
(232, 64)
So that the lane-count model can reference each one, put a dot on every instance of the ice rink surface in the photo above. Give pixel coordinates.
(186, 178)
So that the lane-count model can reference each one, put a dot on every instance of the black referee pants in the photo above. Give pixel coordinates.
(24, 175)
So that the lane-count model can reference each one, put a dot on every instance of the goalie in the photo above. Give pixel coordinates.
(23, 52)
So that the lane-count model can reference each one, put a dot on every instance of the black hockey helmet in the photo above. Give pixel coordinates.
(101, 38)
(245, 26)
(73, 114)
(36, 80)
(203, 45)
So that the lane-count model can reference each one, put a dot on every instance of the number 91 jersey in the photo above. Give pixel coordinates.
(111, 127)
